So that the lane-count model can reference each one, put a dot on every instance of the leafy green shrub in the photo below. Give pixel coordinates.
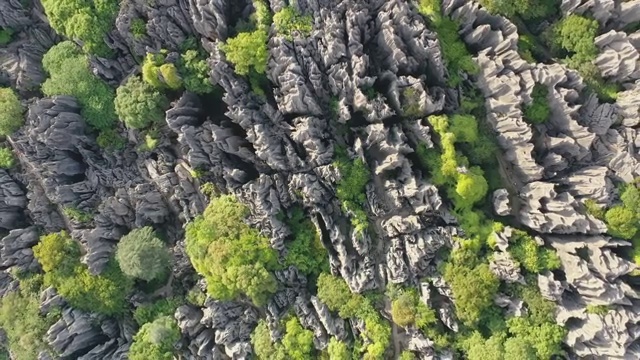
(149, 312)
(335, 293)
(262, 16)
(25, 328)
(528, 9)
(407, 355)
(575, 34)
(70, 75)
(262, 345)
(594, 209)
(142, 255)
(338, 350)
(7, 160)
(196, 297)
(159, 74)
(5, 35)
(473, 288)
(110, 139)
(538, 111)
(533, 258)
(306, 251)
(297, 341)
(597, 309)
(248, 51)
(155, 340)
(351, 188)
(138, 28)
(138, 104)
(289, 21)
(10, 112)
(77, 214)
(407, 309)
(195, 72)
(411, 103)
(622, 222)
(85, 20)
(233, 257)
(59, 257)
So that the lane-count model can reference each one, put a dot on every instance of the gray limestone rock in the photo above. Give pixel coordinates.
(501, 202)
(505, 268)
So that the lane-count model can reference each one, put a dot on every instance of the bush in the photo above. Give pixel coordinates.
(407, 355)
(59, 257)
(70, 75)
(528, 9)
(195, 72)
(407, 309)
(5, 35)
(338, 350)
(248, 51)
(159, 74)
(473, 289)
(538, 111)
(138, 104)
(297, 341)
(110, 139)
(138, 28)
(263, 347)
(142, 255)
(575, 34)
(7, 160)
(149, 312)
(155, 340)
(234, 258)
(77, 214)
(289, 21)
(306, 252)
(533, 258)
(25, 328)
(598, 309)
(351, 189)
(622, 222)
(10, 112)
(85, 20)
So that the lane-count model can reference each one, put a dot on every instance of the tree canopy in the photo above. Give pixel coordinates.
(10, 112)
(248, 51)
(155, 340)
(138, 104)
(142, 255)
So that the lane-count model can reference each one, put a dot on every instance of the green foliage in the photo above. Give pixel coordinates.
(454, 51)
(478, 348)
(195, 72)
(527, 9)
(473, 288)
(518, 349)
(622, 221)
(351, 188)
(7, 160)
(535, 259)
(464, 127)
(306, 252)
(155, 340)
(159, 74)
(594, 209)
(138, 28)
(5, 35)
(149, 143)
(142, 255)
(138, 104)
(59, 257)
(10, 112)
(234, 258)
(337, 350)
(110, 139)
(411, 103)
(149, 312)
(248, 51)
(25, 328)
(335, 293)
(297, 341)
(262, 16)
(538, 111)
(407, 309)
(407, 355)
(289, 21)
(263, 347)
(70, 75)
(196, 297)
(598, 309)
(575, 34)
(545, 338)
(77, 214)
(85, 20)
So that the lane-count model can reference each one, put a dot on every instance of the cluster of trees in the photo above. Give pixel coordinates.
(10, 112)
(351, 189)
(69, 73)
(533, 258)
(454, 51)
(59, 256)
(526, 9)
(289, 21)
(335, 293)
(296, 343)
(84, 20)
(233, 257)
(538, 111)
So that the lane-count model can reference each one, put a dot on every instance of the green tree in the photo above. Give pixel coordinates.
(622, 222)
(138, 104)
(471, 187)
(473, 289)
(10, 112)
(159, 74)
(70, 75)
(538, 111)
(407, 355)
(7, 160)
(338, 350)
(289, 21)
(306, 252)
(545, 338)
(195, 72)
(532, 258)
(351, 189)
(148, 312)
(403, 310)
(518, 349)
(478, 348)
(248, 51)
(142, 255)
(85, 20)
(5, 35)
(297, 341)
(528, 9)
(576, 35)
(233, 257)
(155, 340)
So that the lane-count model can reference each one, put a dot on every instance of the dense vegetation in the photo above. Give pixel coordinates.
(351, 188)
(234, 258)
(305, 251)
(138, 104)
(7, 160)
(10, 112)
(155, 340)
(59, 256)
(289, 22)
(142, 255)
(538, 111)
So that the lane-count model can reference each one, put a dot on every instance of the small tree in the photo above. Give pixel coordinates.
(142, 255)
(7, 160)
(248, 51)
(138, 104)
(10, 112)
(155, 340)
